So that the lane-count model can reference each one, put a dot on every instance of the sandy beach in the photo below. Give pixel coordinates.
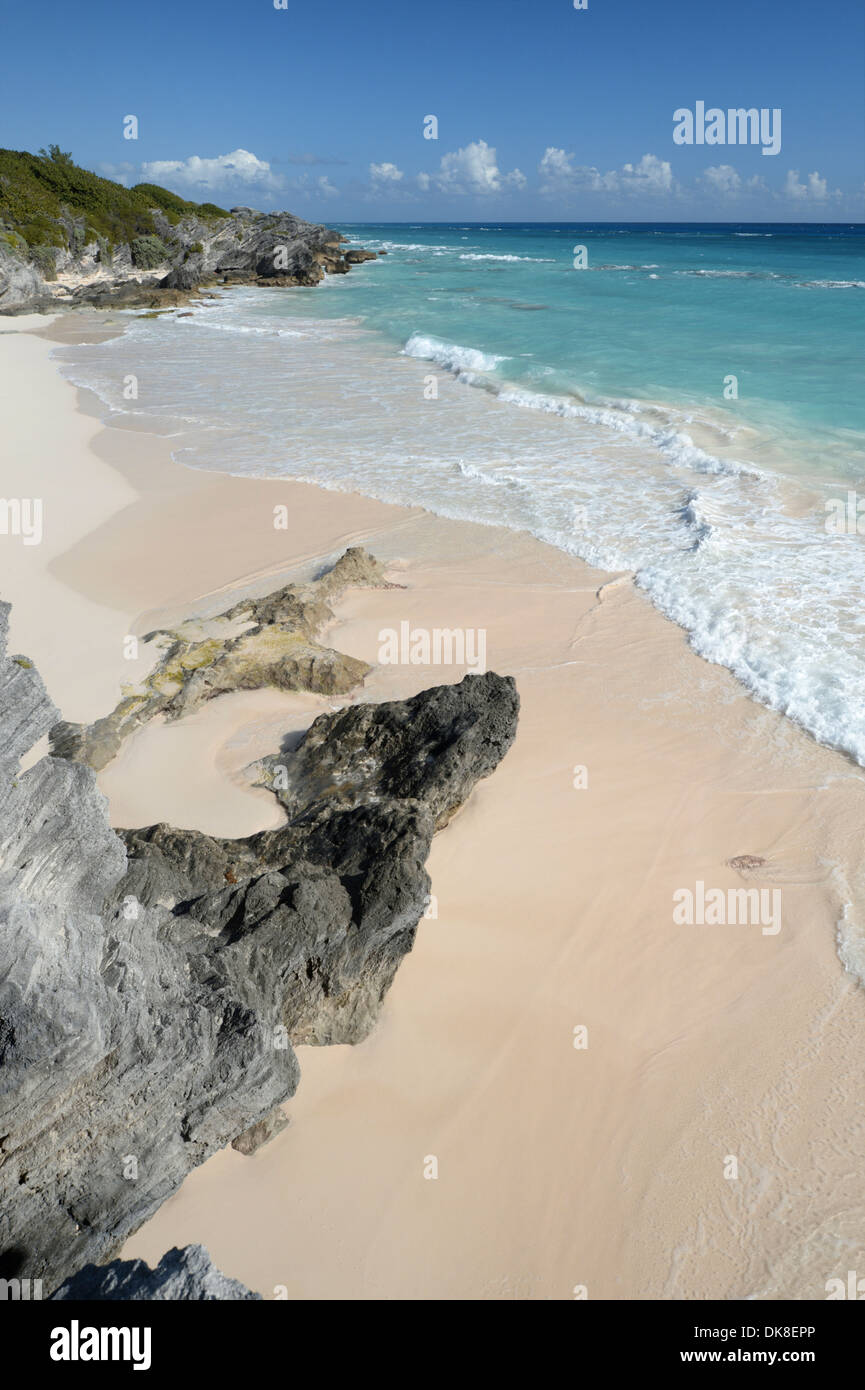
(702, 1138)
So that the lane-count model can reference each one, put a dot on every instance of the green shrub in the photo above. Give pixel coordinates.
(15, 242)
(43, 258)
(55, 153)
(175, 207)
(37, 190)
(78, 238)
(148, 252)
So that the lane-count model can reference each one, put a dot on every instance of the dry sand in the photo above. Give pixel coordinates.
(558, 1167)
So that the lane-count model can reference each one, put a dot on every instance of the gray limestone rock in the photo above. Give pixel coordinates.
(246, 247)
(21, 284)
(153, 982)
(181, 1274)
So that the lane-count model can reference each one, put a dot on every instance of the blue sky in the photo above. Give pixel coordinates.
(544, 112)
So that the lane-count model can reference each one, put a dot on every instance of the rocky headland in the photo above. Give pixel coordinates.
(155, 981)
(70, 238)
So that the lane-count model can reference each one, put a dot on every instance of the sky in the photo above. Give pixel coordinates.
(543, 112)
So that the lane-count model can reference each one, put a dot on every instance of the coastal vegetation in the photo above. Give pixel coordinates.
(96, 241)
(46, 199)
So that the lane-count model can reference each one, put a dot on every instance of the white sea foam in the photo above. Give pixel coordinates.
(452, 356)
(757, 584)
(671, 441)
(243, 329)
(729, 274)
(850, 940)
(831, 284)
(704, 273)
(667, 437)
(372, 244)
(486, 256)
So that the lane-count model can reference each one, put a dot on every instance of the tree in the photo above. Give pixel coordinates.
(55, 153)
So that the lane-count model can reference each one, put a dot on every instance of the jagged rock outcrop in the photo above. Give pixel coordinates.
(153, 983)
(276, 647)
(69, 237)
(21, 284)
(255, 246)
(247, 247)
(186, 1273)
(359, 754)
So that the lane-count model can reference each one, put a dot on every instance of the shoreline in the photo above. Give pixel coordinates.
(736, 552)
(558, 1167)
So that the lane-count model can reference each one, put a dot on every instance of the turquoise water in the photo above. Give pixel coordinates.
(660, 313)
(474, 371)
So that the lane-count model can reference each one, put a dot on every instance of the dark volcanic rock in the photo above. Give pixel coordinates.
(180, 1274)
(344, 881)
(149, 1004)
(423, 749)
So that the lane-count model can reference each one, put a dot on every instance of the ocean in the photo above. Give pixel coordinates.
(687, 406)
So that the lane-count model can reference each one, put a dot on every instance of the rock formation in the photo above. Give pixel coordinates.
(21, 284)
(256, 643)
(153, 248)
(181, 1274)
(153, 982)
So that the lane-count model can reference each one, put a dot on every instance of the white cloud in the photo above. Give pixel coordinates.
(814, 189)
(474, 169)
(723, 179)
(726, 182)
(385, 174)
(324, 186)
(651, 175)
(120, 173)
(238, 167)
(423, 182)
(556, 170)
(559, 174)
(308, 187)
